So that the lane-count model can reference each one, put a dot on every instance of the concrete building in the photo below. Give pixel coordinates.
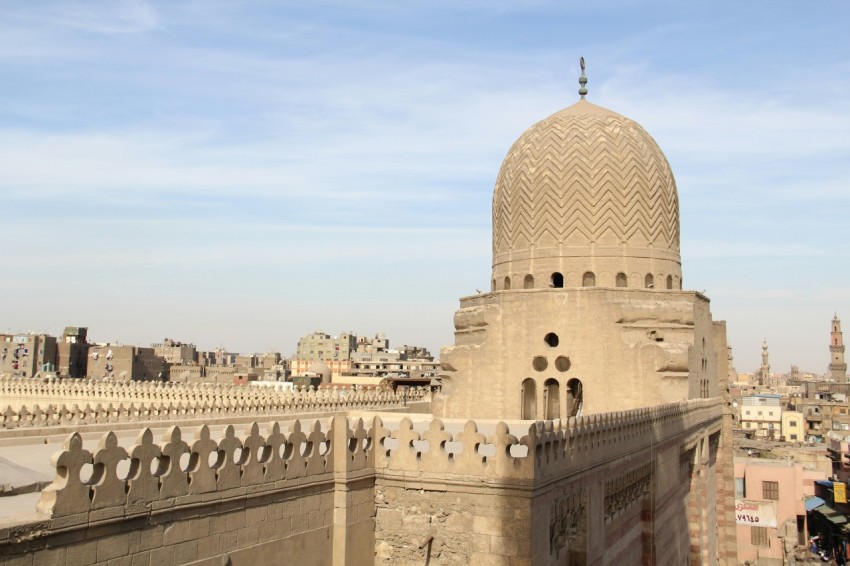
(27, 355)
(332, 351)
(770, 508)
(175, 352)
(72, 352)
(126, 363)
(374, 360)
(761, 415)
(793, 426)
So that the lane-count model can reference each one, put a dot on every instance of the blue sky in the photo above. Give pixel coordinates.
(243, 173)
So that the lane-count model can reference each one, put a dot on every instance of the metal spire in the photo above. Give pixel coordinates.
(582, 80)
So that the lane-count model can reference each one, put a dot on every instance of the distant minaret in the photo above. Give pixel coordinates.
(837, 367)
(764, 370)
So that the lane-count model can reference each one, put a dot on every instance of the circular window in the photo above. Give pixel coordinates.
(539, 363)
(562, 363)
(551, 339)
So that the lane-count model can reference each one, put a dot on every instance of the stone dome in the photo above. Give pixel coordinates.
(320, 369)
(585, 197)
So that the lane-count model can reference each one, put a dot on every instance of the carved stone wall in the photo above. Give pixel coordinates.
(399, 490)
(626, 348)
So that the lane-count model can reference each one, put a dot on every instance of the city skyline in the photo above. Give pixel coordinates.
(244, 175)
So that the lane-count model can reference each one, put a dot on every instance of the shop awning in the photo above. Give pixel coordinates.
(831, 514)
(813, 502)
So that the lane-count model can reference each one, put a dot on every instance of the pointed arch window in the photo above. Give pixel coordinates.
(552, 401)
(622, 280)
(529, 400)
(558, 280)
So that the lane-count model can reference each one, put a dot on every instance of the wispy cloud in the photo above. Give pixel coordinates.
(116, 17)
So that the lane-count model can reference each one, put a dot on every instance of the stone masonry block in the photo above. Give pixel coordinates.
(81, 554)
(504, 546)
(489, 560)
(459, 522)
(122, 561)
(283, 527)
(135, 541)
(142, 559)
(481, 543)
(310, 503)
(389, 516)
(113, 546)
(298, 524)
(255, 515)
(315, 519)
(186, 552)
(162, 556)
(208, 546)
(247, 537)
(227, 540)
(151, 537)
(487, 526)
(274, 511)
(235, 520)
(183, 531)
(25, 560)
(50, 557)
(268, 531)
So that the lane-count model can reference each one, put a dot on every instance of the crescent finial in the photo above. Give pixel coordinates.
(582, 81)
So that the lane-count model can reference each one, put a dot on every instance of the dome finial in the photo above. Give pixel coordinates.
(582, 80)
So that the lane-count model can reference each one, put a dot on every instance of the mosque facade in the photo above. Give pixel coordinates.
(587, 313)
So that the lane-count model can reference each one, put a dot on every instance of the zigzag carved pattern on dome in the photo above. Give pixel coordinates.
(585, 174)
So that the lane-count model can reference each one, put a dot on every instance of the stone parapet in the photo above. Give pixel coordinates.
(174, 468)
(80, 403)
(569, 446)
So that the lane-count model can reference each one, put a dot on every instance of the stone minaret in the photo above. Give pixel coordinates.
(764, 370)
(837, 366)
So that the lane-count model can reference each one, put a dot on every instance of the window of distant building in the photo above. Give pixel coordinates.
(758, 536)
(793, 437)
(792, 423)
(770, 490)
